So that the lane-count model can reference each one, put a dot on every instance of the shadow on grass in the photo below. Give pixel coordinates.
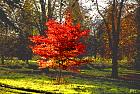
(23, 89)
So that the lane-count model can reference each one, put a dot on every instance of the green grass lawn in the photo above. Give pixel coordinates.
(89, 81)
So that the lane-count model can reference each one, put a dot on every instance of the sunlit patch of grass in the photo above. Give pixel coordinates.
(122, 71)
(4, 90)
(46, 85)
(107, 62)
(95, 72)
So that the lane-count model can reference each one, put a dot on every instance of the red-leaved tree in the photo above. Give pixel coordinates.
(60, 45)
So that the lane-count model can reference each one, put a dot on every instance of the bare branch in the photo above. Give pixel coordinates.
(106, 24)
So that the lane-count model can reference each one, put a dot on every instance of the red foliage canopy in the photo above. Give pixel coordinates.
(61, 43)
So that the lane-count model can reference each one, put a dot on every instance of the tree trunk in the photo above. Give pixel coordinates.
(114, 73)
(43, 16)
(50, 13)
(114, 48)
(115, 36)
(43, 21)
(137, 60)
(115, 56)
(2, 59)
(27, 61)
(60, 10)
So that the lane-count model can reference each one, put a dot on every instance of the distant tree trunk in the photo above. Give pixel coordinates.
(43, 16)
(74, 8)
(50, 13)
(2, 59)
(44, 19)
(137, 60)
(27, 61)
(60, 10)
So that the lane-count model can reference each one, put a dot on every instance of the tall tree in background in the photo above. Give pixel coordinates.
(137, 61)
(44, 10)
(116, 8)
(74, 7)
(7, 24)
(4, 17)
(21, 15)
(127, 35)
(8, 43)
(116, 29)
(43, 15)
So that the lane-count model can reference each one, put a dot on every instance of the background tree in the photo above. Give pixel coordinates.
(114, 33)
(127, 36)
(4, 17)
(8, 43)
(21, 14)
(137, 61)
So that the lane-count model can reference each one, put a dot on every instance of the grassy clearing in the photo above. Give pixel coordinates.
(26, 78)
